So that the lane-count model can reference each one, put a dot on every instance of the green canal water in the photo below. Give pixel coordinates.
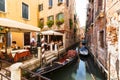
(79, 70)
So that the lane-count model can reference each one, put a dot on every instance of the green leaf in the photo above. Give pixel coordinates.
(50, 23)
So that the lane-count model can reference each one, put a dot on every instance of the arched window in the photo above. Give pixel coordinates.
(60, 16)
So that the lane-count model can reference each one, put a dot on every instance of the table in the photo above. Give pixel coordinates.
(18, 54)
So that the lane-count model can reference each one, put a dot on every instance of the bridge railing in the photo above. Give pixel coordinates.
(31, 73)
(5, 73)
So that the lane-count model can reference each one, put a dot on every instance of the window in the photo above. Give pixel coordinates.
(41, 23)
(50, 18)
(67, 3)
(25, 11)
(60, 2)
(101, 39)
(40, 7)
(60, 16)
(50, 3)
(42, 20)
(100, 5)
(27, 38)
(2, 5)
(75, 18)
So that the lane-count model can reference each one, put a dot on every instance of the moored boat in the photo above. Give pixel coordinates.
(60, 63)
(83, 52)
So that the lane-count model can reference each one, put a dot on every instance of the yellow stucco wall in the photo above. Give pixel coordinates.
(68, 14)
(46, 12)
(18, 37)
(14, 11)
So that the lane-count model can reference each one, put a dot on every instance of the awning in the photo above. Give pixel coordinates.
(17, 26)
(51, 32)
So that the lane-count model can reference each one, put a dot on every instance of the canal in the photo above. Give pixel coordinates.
(82, 69)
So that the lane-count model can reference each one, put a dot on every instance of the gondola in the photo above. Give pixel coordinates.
(60, 63)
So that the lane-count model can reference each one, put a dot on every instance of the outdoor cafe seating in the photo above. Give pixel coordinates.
(14, 55)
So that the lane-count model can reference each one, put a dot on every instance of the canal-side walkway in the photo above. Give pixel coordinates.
(35, 61)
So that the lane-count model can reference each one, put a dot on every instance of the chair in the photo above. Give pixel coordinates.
(1, 55)
(8, 55)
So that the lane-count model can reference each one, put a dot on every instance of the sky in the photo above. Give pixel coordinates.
(81, 6)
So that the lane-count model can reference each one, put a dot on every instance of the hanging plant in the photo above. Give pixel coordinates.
(41, 25)
(59, 22)
(50, 23)
(70, 23)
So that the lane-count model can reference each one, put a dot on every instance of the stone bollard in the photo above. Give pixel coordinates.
(16, 71)
(39, 53)
(51, 47)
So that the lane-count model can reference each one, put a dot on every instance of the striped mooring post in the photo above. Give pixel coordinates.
(43, 50)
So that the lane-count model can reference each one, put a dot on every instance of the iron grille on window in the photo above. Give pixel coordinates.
(24, 10)
(2, 5)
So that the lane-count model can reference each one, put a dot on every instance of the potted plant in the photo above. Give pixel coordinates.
(50, 23)
(59, 22)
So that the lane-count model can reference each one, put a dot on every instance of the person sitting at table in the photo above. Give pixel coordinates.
(14, 45)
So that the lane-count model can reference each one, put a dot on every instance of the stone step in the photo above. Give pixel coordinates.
(50, 60)
(49, 54)
(49, 57)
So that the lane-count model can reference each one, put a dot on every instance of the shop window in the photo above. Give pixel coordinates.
(101, 39)
(2, 5)
(25, 10)
(40, 7)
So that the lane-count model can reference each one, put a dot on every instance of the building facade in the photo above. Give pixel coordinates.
(19, 11)
(102, 33)
(59, 15)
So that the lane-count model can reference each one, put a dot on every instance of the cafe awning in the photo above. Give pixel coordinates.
(51, 32)
(17, 26)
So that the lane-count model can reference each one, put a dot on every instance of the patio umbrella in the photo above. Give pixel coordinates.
(51, 32)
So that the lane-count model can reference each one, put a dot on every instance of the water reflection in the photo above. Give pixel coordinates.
(81, 71)
(76, 71)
